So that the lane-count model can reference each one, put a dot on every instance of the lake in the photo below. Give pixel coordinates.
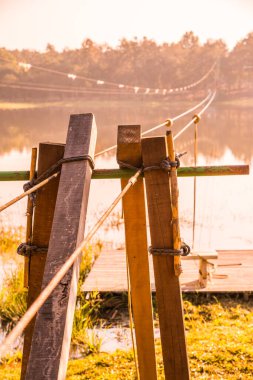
(224, 204)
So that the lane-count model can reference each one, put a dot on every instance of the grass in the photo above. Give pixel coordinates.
(220, 346)
(10, 239)
(219, 331)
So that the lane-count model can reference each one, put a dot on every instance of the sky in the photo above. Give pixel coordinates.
(66, 23)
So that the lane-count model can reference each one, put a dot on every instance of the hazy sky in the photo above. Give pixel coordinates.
(66, 23)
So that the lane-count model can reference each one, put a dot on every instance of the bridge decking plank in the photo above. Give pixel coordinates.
(105, 277)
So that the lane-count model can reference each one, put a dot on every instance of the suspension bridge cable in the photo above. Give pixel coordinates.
(178, 116)
(73, 90)
(136, 88)
(194, 118)
(46, 292)
(165, 123)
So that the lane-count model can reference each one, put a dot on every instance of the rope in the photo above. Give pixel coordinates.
(184, 251)
(195, 117)
(27, 250)
(118, 85)
(36, 305)
(35, 184)
(165, 165)
(28, 192)
(168, 122)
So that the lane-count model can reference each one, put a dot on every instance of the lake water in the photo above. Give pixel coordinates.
(224, 204)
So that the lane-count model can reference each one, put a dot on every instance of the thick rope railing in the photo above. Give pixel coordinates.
(168, 122)
(33, 309)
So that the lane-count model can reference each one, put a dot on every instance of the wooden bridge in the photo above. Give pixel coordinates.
(231, 273)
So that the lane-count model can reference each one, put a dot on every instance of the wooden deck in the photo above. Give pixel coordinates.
(233, 273)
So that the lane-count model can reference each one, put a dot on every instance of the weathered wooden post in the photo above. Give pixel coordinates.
(129, 152)
(49, 154)
(52, 332)
(168, 290)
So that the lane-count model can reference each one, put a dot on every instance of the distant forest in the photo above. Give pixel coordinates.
(141, 63)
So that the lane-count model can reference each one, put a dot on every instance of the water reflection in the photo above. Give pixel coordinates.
(221, 128)
(224, 206)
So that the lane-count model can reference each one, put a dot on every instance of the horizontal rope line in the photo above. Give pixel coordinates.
(162, 124)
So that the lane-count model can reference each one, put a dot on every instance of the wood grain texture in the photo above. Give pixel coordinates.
(52, 333)
(129, 151)
(168, 290)
(43, 219)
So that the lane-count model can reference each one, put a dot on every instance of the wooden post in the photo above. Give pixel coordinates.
(168, 290)
(29, 215)
(49, 154)
(52, 333)
(174, 204)
(129, 151)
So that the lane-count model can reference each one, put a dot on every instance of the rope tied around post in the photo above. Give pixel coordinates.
(25, 249)
(35, 181)
(165, 165)
(184, 251)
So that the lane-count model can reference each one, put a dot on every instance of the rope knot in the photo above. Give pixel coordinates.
(196, 118)
(183, 251)
(169, 123)
(25, 249)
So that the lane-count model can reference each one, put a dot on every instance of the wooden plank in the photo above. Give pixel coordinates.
(168, 290)
(29, 217)
(129, 151)
(236, 265)
(49, 154)
(52, 333)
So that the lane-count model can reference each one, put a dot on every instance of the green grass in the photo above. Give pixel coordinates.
(10, 238)
(219, 330)
(220, 346)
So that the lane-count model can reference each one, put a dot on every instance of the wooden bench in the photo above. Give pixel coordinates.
(205, 266)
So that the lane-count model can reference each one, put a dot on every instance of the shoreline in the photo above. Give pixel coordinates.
(243, 102)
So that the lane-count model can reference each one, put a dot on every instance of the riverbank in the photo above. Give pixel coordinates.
(243, 102)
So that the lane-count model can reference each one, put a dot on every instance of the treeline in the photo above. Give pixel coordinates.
(141, 63)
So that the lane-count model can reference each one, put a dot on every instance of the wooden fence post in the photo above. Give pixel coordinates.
(168, 291)
(53, 327)
(129, 151)
(49, 154)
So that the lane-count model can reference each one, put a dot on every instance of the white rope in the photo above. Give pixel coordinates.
(162, 124)
(200, 113)
(135, 88)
